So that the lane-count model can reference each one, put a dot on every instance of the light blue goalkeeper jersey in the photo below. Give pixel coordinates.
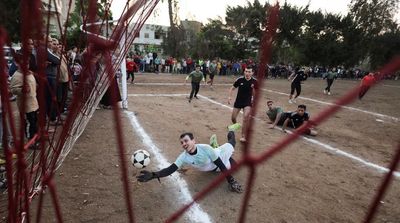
(203, 160)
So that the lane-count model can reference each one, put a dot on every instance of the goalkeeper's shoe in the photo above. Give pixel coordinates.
(213, 141)
(234, 127)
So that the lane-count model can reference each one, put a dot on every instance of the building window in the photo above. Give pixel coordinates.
(137, 35)
(146, 35)
(158, 35)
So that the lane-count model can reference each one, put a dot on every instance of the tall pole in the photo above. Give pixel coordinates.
(123, 71)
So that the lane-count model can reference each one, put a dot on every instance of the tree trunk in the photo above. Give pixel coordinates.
(173, 25)
(171, 14)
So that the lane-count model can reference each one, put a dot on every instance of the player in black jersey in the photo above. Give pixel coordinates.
(296, 119)
(246, 89)
(297, 77)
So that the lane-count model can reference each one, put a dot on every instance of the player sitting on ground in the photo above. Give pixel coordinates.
(298, 118)
(274, 114)
(202, 157)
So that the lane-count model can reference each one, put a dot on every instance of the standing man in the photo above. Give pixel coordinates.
(297, 78)
(53, 61)
(197, 77)
(244, 99)
(330, 76)
(204, 69)
(63, 79)
(202, 157)
(213, 71)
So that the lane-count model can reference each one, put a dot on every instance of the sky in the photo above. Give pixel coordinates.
(202, 10)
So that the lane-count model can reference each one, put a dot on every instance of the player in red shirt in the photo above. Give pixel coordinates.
(130, 69)
(366, 83)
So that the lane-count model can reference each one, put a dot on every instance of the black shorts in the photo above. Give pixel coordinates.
(282, 119)
(295, 86)
(211, 76)
(241, 104)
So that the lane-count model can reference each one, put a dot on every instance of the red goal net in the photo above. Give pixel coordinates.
(31, 164)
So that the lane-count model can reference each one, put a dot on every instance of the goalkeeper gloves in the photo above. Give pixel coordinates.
(146, 176)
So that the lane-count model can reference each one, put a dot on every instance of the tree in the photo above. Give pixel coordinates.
(373, 16)
(10, 18)
(375, 19)
(78, 17)
(174, 42)
(247, 23)
(291, 22)
(385, 47)
(216, 40)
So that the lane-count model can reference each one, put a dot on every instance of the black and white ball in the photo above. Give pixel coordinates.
(140, 158)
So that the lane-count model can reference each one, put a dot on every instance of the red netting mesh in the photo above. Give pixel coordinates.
(33, 170)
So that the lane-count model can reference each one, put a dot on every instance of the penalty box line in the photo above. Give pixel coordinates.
(195, 213)
(379, 115)
(319, 144)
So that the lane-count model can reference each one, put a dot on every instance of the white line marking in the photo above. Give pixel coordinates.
(157, 95)
(281, 93)
(346, 107)
(161, 84)
(175, 84)
(328, 147)
(195, 213)
(388, 85)
(323, 145)
(380, 169)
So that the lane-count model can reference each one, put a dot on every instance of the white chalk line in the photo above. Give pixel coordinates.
(343, 106)
(320, 144)
(327, 147)
(379, 168)
(388, 85)
(157, 95)
(195, 213)
(286, 94)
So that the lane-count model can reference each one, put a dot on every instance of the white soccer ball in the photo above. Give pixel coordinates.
(140, 158)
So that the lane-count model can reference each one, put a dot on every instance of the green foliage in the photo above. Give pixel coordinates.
(375, 21)
(10, 19)
(77, 18)
(174, 43)
(306, 37)
(385, 47)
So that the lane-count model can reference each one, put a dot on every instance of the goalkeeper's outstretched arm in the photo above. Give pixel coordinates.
(147, 175)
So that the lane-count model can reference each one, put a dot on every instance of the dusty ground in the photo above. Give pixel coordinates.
(304, 183)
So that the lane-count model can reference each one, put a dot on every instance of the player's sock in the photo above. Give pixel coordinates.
(231, 138)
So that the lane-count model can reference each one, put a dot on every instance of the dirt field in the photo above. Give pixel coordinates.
(304, 183)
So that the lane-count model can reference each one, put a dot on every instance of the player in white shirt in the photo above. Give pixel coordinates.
(202, 157)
